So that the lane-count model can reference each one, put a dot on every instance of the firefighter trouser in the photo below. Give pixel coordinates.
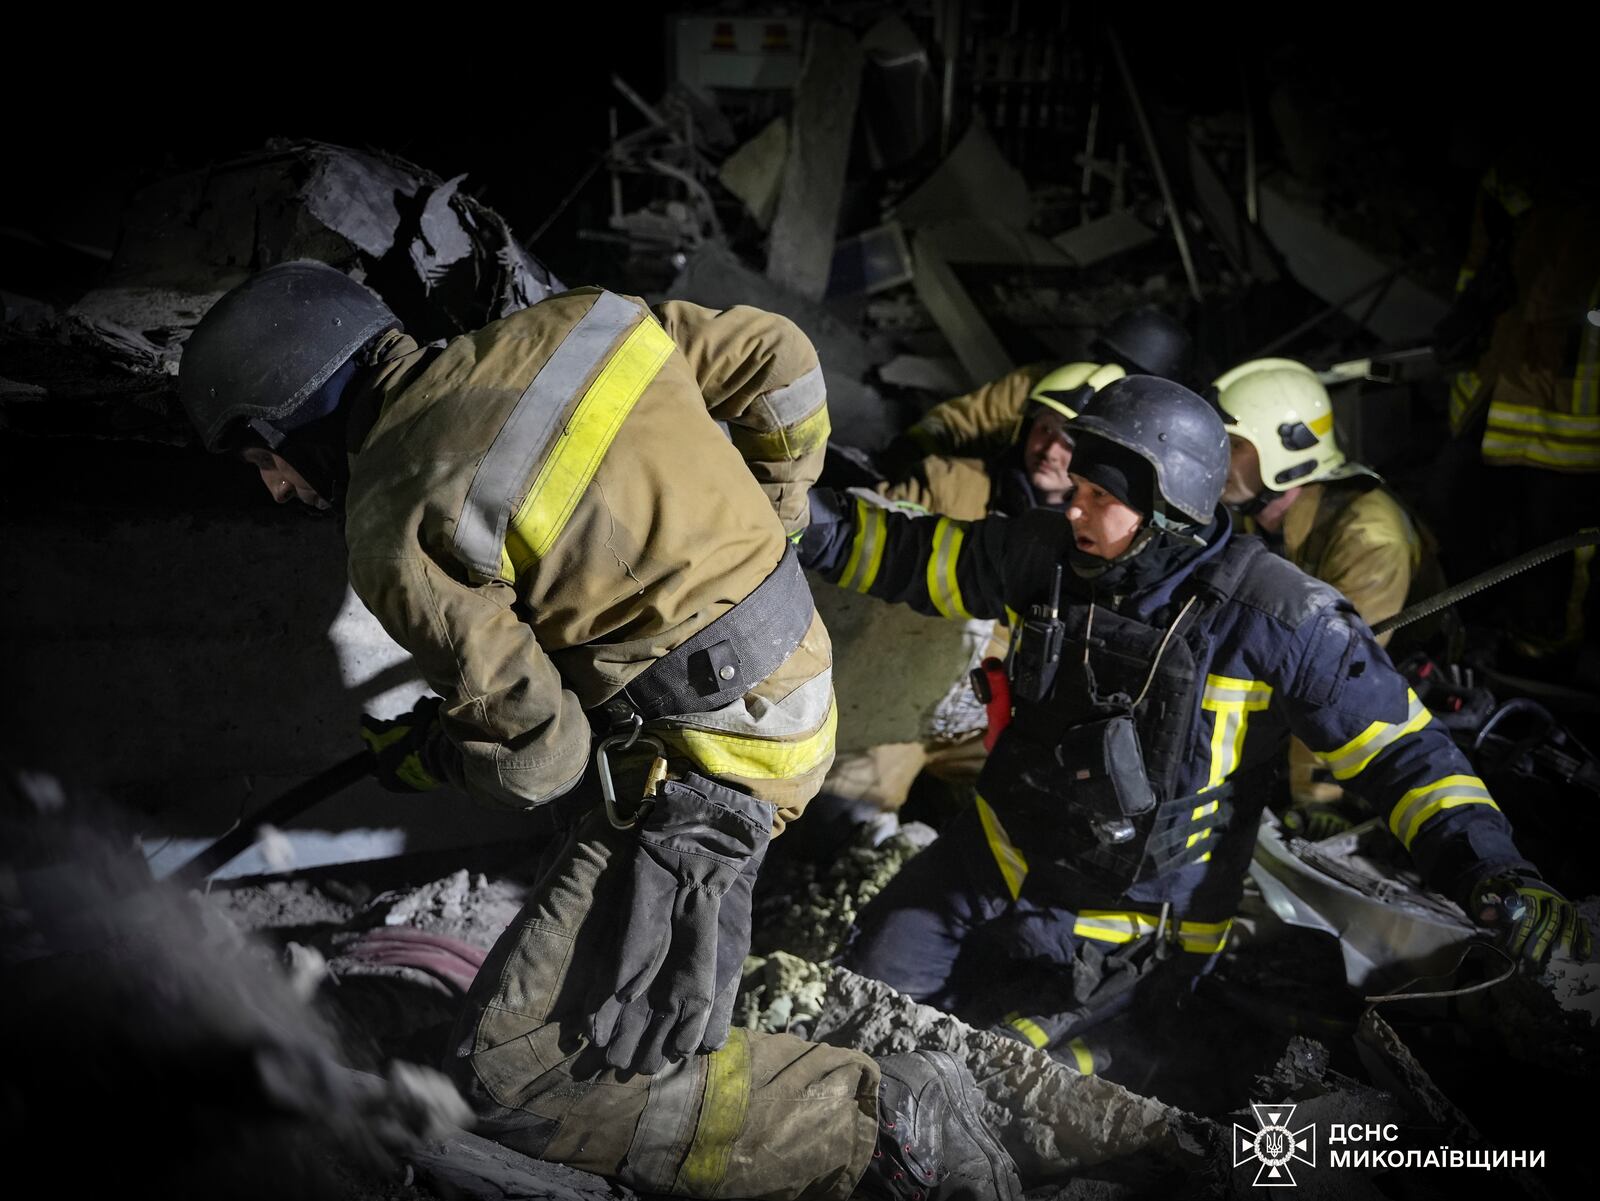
(881, 776)
(950, 932)
(768, 1115)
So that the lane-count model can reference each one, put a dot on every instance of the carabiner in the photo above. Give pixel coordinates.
(621, 741)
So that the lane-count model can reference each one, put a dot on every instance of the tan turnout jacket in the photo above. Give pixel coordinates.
(546, 506)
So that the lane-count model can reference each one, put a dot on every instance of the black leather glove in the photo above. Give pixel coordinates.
(407, 750)
(1533, 919)
(665, 998)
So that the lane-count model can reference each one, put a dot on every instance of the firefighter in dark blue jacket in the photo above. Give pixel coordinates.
(1160, 663)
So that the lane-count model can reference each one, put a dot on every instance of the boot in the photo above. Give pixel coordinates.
(932, 1145)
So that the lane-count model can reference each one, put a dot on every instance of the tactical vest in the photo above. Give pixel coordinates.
(1043, 770)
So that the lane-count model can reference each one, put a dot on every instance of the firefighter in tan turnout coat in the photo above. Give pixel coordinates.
(599, 585)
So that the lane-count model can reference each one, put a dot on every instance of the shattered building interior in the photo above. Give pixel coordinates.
(232, 925)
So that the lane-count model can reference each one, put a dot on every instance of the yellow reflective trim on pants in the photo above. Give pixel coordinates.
(1232, 700)
(578, 449)
(1418, 805)
(1352, 758)
(1126, 925)
(1013, 866)
(720, 754)
(1205, 810)
(942, 587)
(1029, 1029)
(1082, 1056)
(1545, 437)
(722, 1117)
(787, 444)
(866, 548)
(1200, 837)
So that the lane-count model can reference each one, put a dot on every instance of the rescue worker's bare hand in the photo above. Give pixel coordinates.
(659, 999)
(1533, 919)
(405, 748)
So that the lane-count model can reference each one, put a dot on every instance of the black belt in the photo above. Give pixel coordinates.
(726, 659)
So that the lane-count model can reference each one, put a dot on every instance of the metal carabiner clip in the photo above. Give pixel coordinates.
(621, 741)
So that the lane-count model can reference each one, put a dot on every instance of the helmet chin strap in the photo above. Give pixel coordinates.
(1249, 508)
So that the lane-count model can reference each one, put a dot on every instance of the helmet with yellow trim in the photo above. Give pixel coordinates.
(1281, 408)
(1067, 387)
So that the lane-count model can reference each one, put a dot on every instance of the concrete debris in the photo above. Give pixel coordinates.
(754, 172)
(465, 906)
(800, 250)
(941, 376)
(781, 993)
(443, 261)
(1104, 237)
(974, 181)
(1054, 1122)
(872, 261)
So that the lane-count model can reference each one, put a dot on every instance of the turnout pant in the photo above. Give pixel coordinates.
(766, 1116)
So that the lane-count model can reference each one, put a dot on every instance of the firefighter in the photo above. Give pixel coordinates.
(1004, 447)
(1161, 661)
(1001, 449)
(526, 509)
(1333, 518)
(1526, 328)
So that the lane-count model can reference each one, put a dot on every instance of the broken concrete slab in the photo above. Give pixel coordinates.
(940, 375)
(1337, 268)
(974, 181)
(754, 172)
(1104, 238)
(804, 227)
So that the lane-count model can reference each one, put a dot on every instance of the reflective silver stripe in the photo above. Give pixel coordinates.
(1420, 804)
(1550, 422)
(793, 403)
(1224, 690)
(866, 553)
(800, 712)
(943, 590)
(534, 419)
(661, 1139)
(1352, 758)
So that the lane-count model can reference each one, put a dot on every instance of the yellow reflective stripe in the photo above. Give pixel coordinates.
(1586, 379)
(722, 1117)
(1321, 425)
(1205, 810)
(577, 451)
(1580, 427)
(1029, 1029)
(1232, 700)
(1206, 858)
(1418, 805)
(508, 569)
(1124, 926)
(1500, 447)
(791, 442)
(942, 587)
(1463, 391)
(1352, 758)
(720, 754)
(1013, 618)
(1464, 277)
(866, 548)
(1013, 867)
(1082, 1056)
(1199, 837)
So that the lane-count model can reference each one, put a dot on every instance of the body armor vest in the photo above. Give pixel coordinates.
(1116, 677)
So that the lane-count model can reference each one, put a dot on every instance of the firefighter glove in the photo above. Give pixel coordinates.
(1532, 918)
(1315, 820)
(406, 750)
(684, 924)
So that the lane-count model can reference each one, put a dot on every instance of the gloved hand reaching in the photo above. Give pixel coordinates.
(408, 751)
(684, 925)
(1316, 820)
(1534, 920)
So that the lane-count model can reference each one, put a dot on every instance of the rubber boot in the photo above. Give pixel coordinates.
(932, 1145)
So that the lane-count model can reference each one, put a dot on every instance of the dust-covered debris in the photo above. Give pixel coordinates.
(1053, 1121)
(465, 906)
(781, 993)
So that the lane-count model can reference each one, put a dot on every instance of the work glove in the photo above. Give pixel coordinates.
(407, 750)
(1316, 820)
(664, 997)
(1532, 918)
